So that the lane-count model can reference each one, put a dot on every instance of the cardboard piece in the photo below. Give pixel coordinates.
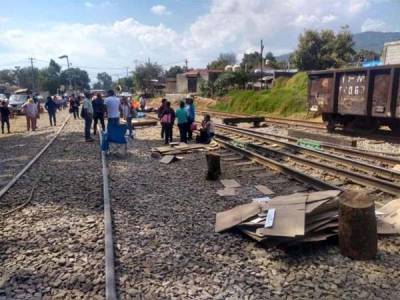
(167, 159)
(226, 192)
(230, 183)
(232, 217)
(265, 190)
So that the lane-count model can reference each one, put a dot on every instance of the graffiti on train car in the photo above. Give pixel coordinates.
(352, 89)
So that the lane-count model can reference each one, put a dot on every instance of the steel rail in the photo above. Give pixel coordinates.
(5, 189)
(383, 185)
(346, 150)
(386, 173)
(111, 293)
(272, 164)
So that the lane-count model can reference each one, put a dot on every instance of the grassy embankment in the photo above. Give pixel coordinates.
(288, 98)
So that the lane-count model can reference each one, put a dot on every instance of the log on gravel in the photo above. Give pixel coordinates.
(357, 226)
(213, 166)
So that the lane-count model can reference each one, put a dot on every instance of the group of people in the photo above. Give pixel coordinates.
(185, 116)
(95, 108)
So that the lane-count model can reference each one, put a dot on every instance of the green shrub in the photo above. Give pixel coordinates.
(287, 97)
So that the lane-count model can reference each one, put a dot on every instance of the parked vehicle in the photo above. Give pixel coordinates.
(17, 100)
(362, 97)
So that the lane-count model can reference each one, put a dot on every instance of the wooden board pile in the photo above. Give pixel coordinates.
(182, 148)
(292, 219)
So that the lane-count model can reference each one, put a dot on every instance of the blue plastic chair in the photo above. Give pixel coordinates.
(116, 135)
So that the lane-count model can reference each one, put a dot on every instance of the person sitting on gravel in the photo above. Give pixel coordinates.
(31, 111)
(112, 103)
(206, 131)
(5, 116)
(167, 122)
(182, 117)
(51, 108)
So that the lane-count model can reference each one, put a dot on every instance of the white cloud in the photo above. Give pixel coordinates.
(356, 6)
(229, 25)
(374, 25)
(160, 10)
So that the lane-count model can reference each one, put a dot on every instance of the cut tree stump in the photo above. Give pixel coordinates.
(213, 165)
(357, 226)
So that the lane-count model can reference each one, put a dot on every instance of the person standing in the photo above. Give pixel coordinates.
(5, 116)
(112, 103)
(182, 117)
(98, 113)
(127, 114)
(160, 112)
(51, 108)
(142, 101)
(87, 114)
(74, 103)
(191, 116)
(31, 111)
(167, 121)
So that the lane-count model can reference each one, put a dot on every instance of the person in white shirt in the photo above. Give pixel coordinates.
(112, 103)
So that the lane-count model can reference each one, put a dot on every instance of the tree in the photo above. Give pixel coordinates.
(222, 61)
(78, 78)
(8, 76)
(365, 55)
(173, 71)
(323, 49)
(144, 74)
(250, 61)
(126, 83)
(49, 78)
(104, 81)
(24, 77)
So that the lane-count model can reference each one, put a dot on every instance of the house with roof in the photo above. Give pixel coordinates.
(189, 82)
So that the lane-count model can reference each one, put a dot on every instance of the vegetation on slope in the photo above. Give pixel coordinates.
(288, 97)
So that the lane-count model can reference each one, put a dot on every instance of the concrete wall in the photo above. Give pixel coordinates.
(181, 84)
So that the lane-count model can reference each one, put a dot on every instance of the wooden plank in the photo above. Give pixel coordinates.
(236, 120)
(226, 192)
(343, 141)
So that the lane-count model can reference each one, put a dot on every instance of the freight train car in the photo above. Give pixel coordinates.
(357, 98)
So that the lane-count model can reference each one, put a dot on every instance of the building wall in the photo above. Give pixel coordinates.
(170, 86)
(181, 84)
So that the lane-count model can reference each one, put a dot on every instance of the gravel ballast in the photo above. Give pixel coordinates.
(53, 248)
(166, 247)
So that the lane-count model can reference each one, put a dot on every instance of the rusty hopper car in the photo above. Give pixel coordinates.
(363, 97)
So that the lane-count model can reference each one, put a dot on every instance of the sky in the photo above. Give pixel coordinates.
(116, 35)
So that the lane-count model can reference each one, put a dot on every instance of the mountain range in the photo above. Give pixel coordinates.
(369, 40)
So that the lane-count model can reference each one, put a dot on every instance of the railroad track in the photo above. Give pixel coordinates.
(383, 135)
(313, 163)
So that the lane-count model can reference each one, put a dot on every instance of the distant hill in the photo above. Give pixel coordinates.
(369, 40)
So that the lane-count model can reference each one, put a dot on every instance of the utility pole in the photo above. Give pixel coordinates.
(186, 64)
(33, 75)
(262, 61)
(127, 72)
